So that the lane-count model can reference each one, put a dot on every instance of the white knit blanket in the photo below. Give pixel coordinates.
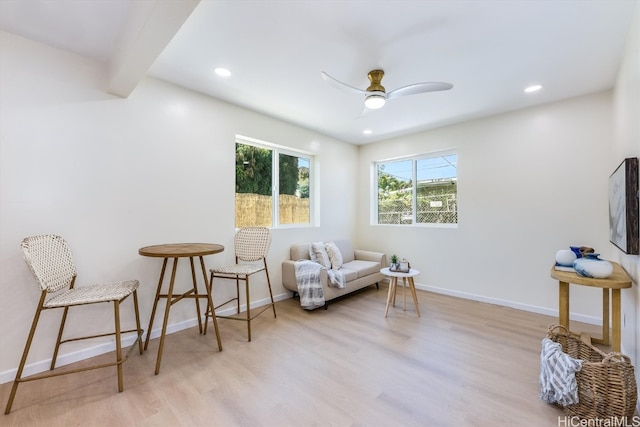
(336, 278)
(309, 286)
(558, 374)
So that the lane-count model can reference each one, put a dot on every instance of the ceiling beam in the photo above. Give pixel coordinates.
(150, 27)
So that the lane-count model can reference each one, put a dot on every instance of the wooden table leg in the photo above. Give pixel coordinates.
(155, 303)
(412, 288)
(563, 302)
(605, 316)
(395, 290)
(404, 295)
(616, 306)
(196, 295)
(390, 294)
(210, 305)
(166, 314)
(604, 340)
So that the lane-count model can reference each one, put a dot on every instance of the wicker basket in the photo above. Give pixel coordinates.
(606, 383)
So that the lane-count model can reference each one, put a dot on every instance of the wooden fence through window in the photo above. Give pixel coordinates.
(257, 210)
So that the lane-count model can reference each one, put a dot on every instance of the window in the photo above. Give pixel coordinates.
(417, 190)
(272, 185)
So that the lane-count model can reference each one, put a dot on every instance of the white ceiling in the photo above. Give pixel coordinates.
(489, 51)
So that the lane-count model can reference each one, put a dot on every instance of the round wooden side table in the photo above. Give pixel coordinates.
(407, 277)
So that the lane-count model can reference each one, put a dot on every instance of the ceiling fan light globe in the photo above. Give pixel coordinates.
(374, 102)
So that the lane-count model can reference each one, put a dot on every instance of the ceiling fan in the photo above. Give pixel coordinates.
(375, 96)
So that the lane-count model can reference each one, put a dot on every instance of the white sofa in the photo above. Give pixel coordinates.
(361, 269)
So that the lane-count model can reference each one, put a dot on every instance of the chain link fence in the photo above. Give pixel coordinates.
(436, 208)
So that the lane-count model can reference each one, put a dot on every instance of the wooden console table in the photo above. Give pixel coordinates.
(618, 280)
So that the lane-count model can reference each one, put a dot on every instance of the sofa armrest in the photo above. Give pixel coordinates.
(371, 256)
(289, 276)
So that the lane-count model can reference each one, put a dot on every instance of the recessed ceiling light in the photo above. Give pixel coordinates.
(367, 132)
(533, 88)
(222, 72)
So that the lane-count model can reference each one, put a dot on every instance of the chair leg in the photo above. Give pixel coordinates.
(116, 316)
(273, 304)
(246, 281)
(238, 294)
(63, 321)
(209, 307)
(138, 328)
(25, 353)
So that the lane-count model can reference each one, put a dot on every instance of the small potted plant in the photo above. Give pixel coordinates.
(394, 262)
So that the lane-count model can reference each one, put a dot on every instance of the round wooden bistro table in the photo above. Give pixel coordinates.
(177, 251)
(393, 285)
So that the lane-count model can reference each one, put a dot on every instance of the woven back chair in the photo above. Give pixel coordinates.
(50, 261)
(251, 245)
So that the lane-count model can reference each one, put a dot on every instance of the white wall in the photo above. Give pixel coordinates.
(627, 144)
(112, 175)
(529, 183)
(551, 164)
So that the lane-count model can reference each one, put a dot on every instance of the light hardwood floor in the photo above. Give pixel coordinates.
(463, 363)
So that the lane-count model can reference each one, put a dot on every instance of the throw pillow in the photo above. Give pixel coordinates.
(334, 255)
(318, 253)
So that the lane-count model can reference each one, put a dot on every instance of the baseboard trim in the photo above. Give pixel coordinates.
(97, 350)
(506, 303)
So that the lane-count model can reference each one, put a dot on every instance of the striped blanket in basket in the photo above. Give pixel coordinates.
(558, 374)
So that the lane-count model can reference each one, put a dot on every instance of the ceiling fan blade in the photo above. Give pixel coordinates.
(419, 88)
(339, 85)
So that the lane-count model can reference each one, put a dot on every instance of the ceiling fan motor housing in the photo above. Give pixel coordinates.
(375, 77)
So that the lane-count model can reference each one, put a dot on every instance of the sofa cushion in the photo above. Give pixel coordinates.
(364, 268)
(318, 253)
(346, 250)
(349, 274)
(334, 255)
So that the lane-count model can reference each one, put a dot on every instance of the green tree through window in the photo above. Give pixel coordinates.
(253, 170)
(258, 200)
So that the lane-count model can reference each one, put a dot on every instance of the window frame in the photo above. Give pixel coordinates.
(374, 208)
(276, 150)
